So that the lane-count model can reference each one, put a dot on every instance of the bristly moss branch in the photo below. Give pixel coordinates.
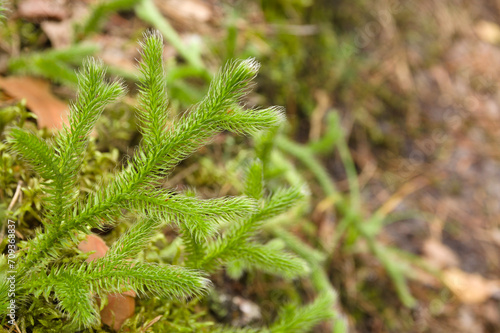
(163, 147)
(215, 232)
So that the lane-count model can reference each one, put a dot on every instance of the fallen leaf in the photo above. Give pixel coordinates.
(120, 307)
(186, 10)
(40, 9)
(470, 288)
(50, 111)
(488, 32)
(93, 243)
(439, 255)
(59, 33)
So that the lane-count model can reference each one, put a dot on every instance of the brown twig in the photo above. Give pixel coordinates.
(16, 196)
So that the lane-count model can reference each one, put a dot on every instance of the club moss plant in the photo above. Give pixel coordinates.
(215, 232)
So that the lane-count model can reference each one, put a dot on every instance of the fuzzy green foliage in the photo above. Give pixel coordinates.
(16, 175)
(293, 318)
(215, 232)
(56, 65)
(302, 319)
(3, 11)
(353, 223)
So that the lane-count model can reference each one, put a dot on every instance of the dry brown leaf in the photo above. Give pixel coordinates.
(59, 33)
(488, 32)
(186, 10)
(50, 111)
(93, 243)
(120, 307)
(439, 255)
(40, 9)
(470, 288)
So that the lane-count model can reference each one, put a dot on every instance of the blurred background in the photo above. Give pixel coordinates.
(393, 123)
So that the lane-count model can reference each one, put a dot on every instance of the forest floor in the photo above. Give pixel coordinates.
(416, 87)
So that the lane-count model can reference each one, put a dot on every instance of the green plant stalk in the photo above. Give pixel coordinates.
(103, 8)
(396, 273)
(305, 155)
(352, 175)
(351, 215)
(319, 278)
(314, 258)
(53, 64)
